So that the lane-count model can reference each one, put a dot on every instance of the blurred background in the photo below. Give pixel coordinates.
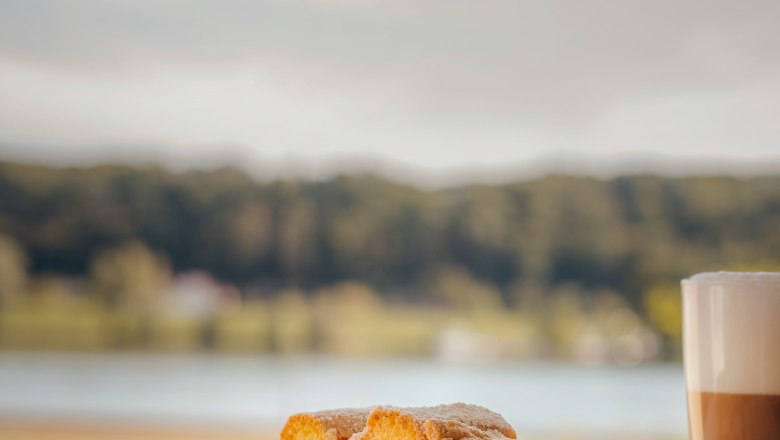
(214, 214)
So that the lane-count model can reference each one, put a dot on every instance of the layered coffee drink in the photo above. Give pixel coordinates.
(732, 355)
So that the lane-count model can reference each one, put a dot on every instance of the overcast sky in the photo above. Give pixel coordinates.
(432, 85)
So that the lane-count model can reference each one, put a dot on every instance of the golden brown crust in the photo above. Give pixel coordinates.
(337, 424)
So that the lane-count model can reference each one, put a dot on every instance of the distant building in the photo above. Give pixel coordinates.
(197, 294)
(459, 344)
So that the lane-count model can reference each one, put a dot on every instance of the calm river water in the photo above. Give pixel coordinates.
(260, 391)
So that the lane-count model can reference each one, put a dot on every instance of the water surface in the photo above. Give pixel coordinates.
(262, 391)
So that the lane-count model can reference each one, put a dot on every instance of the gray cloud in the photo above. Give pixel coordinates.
(533, 75)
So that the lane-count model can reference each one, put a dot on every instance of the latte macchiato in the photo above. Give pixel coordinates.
(732, 355)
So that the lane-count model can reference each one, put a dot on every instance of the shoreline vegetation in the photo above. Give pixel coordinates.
(347, 320)
(570, 268)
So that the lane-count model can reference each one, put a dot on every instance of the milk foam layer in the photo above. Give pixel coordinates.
(734, 277)
(732, 332)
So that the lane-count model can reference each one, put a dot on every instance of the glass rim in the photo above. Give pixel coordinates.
(727, 277)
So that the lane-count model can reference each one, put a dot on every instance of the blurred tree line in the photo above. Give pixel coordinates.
(519, 246)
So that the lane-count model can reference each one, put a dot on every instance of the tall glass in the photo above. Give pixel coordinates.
(731, 344)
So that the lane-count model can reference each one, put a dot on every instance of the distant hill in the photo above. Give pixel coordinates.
(617, 234)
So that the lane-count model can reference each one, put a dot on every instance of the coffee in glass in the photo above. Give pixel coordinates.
(731, 343)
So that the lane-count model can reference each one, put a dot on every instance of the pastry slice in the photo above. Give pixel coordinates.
(337, 424)
(457, 421)
(450, 429)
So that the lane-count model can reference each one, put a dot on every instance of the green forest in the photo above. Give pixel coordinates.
(534, 262)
